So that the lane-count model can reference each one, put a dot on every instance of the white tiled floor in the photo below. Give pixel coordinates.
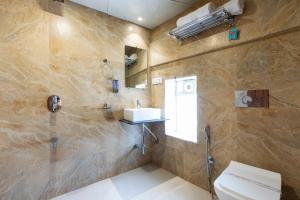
(144, 183)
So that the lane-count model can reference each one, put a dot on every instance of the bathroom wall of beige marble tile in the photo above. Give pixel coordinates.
(48, 49)
(265, 57)
(260, 19)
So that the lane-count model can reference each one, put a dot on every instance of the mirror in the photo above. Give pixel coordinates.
(135, 67)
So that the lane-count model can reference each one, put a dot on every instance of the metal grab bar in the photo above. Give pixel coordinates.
(144, 146)
(151, 133)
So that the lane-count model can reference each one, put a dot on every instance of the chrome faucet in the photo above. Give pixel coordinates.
(138, 104)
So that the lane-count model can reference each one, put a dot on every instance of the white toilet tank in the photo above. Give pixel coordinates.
(243, 182)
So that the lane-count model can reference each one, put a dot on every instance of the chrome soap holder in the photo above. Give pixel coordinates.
(106, 106)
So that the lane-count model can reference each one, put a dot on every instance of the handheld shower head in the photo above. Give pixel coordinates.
(209, 159)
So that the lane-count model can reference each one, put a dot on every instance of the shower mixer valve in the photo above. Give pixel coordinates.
(54, 103)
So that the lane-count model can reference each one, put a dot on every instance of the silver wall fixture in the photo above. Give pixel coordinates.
(106, 68)
(252, 98)
(54, 103)
(216, 18)
(106, 106)
(209, 159)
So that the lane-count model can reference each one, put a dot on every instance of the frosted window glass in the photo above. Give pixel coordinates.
(181, 108)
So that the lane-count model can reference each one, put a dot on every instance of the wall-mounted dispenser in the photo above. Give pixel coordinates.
(115, 86)
(111, 76)
(54, 103)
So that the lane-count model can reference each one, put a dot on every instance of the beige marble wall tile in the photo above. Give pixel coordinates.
(260, 19)
(267, 138)
(48, 49)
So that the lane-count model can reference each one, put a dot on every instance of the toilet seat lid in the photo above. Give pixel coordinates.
(250, 182)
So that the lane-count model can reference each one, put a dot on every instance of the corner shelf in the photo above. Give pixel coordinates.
(216, 18)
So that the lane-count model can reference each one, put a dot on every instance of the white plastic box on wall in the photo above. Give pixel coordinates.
(157, 80)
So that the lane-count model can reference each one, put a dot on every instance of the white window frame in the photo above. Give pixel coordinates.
(175, 106)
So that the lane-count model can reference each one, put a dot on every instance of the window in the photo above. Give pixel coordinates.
(181, 108)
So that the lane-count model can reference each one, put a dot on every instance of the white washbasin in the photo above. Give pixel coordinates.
(142, 114)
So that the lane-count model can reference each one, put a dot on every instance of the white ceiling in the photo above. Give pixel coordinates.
(153, 12)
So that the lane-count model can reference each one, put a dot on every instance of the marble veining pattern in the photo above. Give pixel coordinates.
(50, 48)
(263, 137)
(260, 19)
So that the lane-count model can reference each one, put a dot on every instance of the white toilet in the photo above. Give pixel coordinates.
(243, 182)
